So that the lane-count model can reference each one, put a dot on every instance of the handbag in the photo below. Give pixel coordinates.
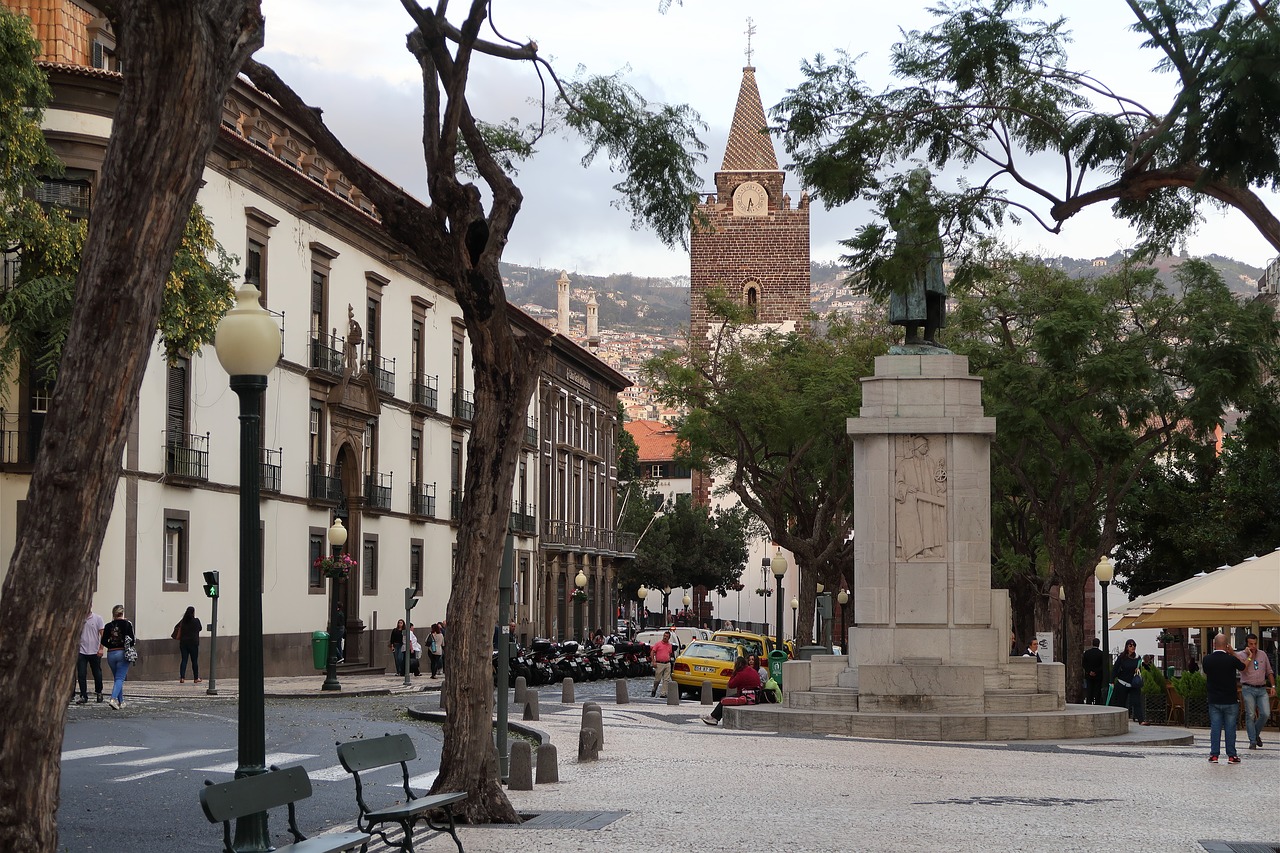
(130, 653)
(177, 632)
(1136, 680)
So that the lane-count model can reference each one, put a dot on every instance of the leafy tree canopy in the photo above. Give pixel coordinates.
(991, 89)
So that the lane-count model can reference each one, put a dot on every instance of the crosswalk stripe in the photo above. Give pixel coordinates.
(168, 759)
(280, 758)
(423, 782)
(329, 774)
(96, 751)
(143, 775)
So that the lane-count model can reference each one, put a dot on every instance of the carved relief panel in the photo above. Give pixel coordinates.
(920, 498)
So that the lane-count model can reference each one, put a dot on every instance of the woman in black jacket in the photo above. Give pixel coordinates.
(116, 638)
(1122, 673)
(189, 643)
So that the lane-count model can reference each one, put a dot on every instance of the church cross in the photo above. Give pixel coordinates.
(751, 30)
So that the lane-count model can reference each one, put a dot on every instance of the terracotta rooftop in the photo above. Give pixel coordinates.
(656, 440)
(750, 147)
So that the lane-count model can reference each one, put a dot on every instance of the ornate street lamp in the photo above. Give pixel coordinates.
(248, 346)
(1105, 572)
(337, 538)
(666, 599)
(580, 583)
(642, 593)
(795, 607)
(1062, 619)
(843, 597)
(779, 567)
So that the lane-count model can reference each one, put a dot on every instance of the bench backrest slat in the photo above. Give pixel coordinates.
(253, 794)
(358, 756)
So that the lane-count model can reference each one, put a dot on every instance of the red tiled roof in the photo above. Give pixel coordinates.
(656, 440)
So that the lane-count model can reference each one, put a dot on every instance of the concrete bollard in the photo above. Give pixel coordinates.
(707, 698)
(594, 707)
(521, 686)
(548, 765)
(520, 768)
(589, 737)
(622, 697)
(673, 693)
(566, 691)
(531, 705)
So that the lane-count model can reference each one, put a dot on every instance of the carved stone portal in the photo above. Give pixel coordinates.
(920, 498)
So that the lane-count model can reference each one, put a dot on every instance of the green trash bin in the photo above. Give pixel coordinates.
(320, 649)
(777, 658)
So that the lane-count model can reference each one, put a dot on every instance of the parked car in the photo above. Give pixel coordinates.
(752, 644)
(705, 660)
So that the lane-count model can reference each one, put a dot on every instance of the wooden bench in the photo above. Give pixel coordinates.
(250, 795)
(362, 756)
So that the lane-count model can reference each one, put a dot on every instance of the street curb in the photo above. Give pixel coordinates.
(519, 728)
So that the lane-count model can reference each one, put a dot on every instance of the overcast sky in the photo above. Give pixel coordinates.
(349, 59)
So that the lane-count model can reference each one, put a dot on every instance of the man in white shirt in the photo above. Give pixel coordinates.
(90, 657)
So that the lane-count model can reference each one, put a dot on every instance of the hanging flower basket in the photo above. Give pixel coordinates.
(764, 591)
(338, 568)
(578, 595)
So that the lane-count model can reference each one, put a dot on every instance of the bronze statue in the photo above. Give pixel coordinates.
(919, 295)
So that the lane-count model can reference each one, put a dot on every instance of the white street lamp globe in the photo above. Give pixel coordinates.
(248, 339)
(643, 592)
(843, 597)
(1105, 571)
(818, 587)
(581, 580)
(795, 604)
(778, 564)
(666, 590)
(337, 534)
(686, 600)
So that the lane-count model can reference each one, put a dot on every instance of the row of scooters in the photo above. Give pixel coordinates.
(548, 662)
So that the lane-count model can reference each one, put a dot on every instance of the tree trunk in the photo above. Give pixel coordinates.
(162, 130)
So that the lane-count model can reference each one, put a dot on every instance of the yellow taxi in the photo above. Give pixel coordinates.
(704, 660)
(752, 644)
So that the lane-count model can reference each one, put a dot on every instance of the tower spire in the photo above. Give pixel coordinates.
(750, 147)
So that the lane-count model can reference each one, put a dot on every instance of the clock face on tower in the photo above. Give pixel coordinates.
(750, 199)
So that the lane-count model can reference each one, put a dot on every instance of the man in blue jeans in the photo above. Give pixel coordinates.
(1220, 667)
(1256, 682)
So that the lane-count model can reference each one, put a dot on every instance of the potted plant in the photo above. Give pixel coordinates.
(1153, 694)
(578, 595)
(1194, 689)
(337, 568)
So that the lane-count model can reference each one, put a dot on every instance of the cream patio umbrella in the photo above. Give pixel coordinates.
(1239, 595)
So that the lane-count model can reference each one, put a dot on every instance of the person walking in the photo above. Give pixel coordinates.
(660, 655)
(338, 634)
(1220, 667)
(1123, 673)
(415, 652)
(435, 649)
(90, 657)
(117, 638)
(187, 633)
(397, 646)
(1094, 662)
(1257, 684)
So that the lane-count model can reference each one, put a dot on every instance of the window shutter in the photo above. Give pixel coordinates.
(175, 423)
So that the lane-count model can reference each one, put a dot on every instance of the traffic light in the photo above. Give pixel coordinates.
(410, 598)
(211, 584)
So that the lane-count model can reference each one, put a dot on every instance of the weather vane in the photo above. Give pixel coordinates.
(751, 30)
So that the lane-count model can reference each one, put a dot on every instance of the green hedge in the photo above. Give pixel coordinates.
(1191, 685)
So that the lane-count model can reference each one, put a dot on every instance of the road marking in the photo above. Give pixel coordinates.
(335, 773)
(167, 759)
(96, 751)
(143, 775)
(424, 781)
(280, 758)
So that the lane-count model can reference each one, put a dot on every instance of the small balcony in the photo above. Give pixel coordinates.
(186, 456)
(464, 405)
(531, 433)
(18, 442)
(384, 374)
(377, 491)
(523, 521)
(422, 499)
(426, 392)
(272, 465)
(322, 485)
(455, 505)
(326, 353)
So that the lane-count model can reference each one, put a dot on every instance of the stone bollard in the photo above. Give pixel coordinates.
(566, 692)
(548, 766)
(531, 705)
(673, 693)
(589, 737)
(622, 698)
(520, 768)
(707, 698)
(589, 707)
(521, 686)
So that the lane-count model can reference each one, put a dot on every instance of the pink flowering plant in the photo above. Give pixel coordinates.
(339, 568)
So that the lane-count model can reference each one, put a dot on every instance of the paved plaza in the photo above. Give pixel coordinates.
(666, 781)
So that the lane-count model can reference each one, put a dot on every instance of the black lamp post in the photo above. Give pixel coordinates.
(795, 608)
(779, 566)
(248, 346)
(1104, 572)
(579, 584)
(843, 597)
(337, 538)
(642, 593)
(666, 604)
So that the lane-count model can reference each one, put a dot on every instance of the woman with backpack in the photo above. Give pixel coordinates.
(435, 648)
(118, 640)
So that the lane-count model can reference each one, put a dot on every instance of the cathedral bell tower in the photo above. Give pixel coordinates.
(749, 241)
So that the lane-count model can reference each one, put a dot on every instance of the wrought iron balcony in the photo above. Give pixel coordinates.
(326, 353)
(523, 520)
(455, 505)
(322, 485)
(377, 491)
(18, 442)
(571, 536)
(272, 461)
(426, 392)
(384, 374)
(186, 455)
(531, 433)
(422, 499)
(464, 405)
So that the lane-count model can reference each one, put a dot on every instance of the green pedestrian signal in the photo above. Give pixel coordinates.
(211, 584)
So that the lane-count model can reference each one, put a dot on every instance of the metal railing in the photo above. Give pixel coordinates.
(272, 462)
(322, 485)
(464, 405)
(531, 433)
(569, 534)
(426, 392)
(455, 504)
(186, 455)
(384, 374)
(18, 445)
(377, 491)
(326, 353)
(523, 520)
(422, 499)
